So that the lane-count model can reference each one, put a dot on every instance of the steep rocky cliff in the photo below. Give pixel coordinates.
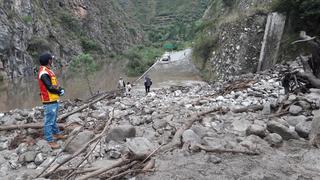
(233, 32)
(64, 27)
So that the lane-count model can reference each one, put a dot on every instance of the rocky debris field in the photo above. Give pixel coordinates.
(244, 128)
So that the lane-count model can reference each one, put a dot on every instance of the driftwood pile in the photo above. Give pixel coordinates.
(297, 81)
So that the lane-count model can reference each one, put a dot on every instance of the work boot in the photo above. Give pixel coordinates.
(54, 145)
(59, 136)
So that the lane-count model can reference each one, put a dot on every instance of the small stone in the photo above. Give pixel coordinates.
(294, 120)
(266, 109)
(39, 159)
(191, 137)
(139, 145)
(114, 154)
(3, 146)
(75, 118)
(256, 130)
(79, 141)
(159, 123)
(241, 125)
(220, 98)
(44, 146)
(303, 128)
(120, 133)
(254, 143)
(274, 139)
(29, 156)
(285, 132)
(214, 159)
(62, 158)
(246, 103)
(295, 110)
(31, 166)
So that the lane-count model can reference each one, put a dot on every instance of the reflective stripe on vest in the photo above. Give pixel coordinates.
(47, 96)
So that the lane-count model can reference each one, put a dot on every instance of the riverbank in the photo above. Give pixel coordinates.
(255, 130)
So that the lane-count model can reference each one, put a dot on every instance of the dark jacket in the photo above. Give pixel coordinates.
(147, 82)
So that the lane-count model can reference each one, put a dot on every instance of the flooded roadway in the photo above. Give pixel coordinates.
(178, 71)
(24, 93)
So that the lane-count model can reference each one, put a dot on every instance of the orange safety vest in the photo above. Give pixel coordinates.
(47, 96)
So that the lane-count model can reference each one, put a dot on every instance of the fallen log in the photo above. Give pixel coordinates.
(252, 108)
(117, 171)
(176, 140)
(107, 125)
(218, 150)
(119, 163)
(26, 126)
(83, 148)
(83, 107)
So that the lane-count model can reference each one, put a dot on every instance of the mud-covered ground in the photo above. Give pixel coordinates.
(278, 132)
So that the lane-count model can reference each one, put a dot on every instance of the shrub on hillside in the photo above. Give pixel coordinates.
(202, 49)
(89, 45)
(38, 45)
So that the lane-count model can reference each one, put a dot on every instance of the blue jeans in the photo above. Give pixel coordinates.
(50, 121)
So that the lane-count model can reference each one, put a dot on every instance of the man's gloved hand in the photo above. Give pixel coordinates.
(61, 92)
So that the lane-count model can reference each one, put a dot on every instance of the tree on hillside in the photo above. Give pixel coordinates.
(303, 14)
(85, 66)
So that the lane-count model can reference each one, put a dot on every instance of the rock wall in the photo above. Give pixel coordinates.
(239, 30)
(271, 41)
(63, 27)
(238, 47)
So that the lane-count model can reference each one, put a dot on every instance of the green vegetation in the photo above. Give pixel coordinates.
(84, 65)
(141, 58)
(167, 20)
(89, 45)
(304, 15)
(202, 49)
(38, 45)
(27, 19)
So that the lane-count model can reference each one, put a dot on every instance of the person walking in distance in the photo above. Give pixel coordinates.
(50, 93)
(121, 83)
(128, 89)
(147, 84)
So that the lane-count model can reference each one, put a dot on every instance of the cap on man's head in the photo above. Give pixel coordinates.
(44, 59)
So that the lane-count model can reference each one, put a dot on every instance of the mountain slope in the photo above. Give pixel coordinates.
(64, 27)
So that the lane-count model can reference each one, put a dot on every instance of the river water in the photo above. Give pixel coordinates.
(24, 93)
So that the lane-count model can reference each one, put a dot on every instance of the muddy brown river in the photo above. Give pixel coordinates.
(24, 93)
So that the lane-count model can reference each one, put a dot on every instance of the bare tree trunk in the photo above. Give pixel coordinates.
(89, 86)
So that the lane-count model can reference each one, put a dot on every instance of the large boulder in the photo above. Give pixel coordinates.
(294, 120)
(79, 141)
(257, 130)
(140, 145)
(120, 133)
(241, 125)
(266, 109)
(285, 132)
(303, 128)
(295, 110)
(191, 137)
(274, 139)
(29, 156)
(75, 118)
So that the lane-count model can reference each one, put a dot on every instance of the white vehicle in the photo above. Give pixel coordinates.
(165, 57)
